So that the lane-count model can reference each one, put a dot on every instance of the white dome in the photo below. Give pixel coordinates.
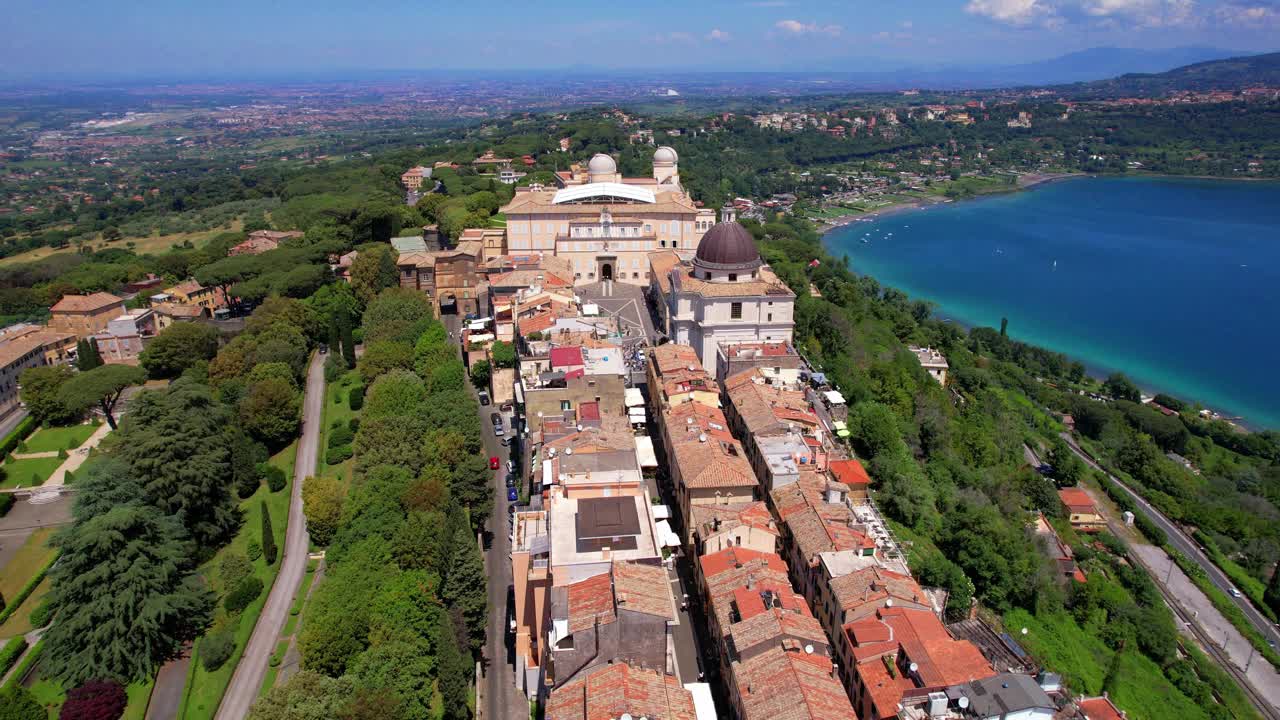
(665, 154)
(601, 164)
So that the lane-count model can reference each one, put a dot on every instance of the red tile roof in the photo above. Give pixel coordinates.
(849, 472)
(1077, 500)
(563, 357)
(1099, 708)
(85, 303)
(609, 691)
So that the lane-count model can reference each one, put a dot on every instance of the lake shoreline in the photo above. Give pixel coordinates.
(1025, 182)
(1217, 395)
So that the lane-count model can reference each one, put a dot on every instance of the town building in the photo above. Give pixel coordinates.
(1081, 510)
(676, 375)
(190, 292)
(450, 278)
(778, 362)
(719, 527)
(705, 463)
(606, 225)
(775, 657)
(85, 315)
(780, 430)
(260, 241)
(1099, 708)
(168, 313)
(26, 346)
(932, 361)
(413, 177)
(725, 295)
(610, 692)
(124, 337)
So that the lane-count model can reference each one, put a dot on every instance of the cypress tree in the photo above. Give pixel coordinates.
(466, 587)
(348, 341)
(1272, 593)
(454, 673)
(335, 337)
(268, 536)
(87, 355)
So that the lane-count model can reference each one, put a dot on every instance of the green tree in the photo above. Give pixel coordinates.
(322, 502)
(87, 355)
(465, 586)
(455, 673)
(383, 356)
(503, 354)
(305, 696)
(1272, 594)
(125, 594)
(480, 374)
(177, 348)
(17, 703)
(404, 666)
(268, 536)
(245, 456)
(398, 314)
(398, 392)
(176, 441)
(373, 271)
(100, 386)
(270, 410)
(40, 391)
(1121, 387)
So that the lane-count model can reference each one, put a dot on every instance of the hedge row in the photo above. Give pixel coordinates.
(19, 434)
(10, 653)
(16, 601)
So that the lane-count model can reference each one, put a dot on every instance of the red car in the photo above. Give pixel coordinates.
(493, 463)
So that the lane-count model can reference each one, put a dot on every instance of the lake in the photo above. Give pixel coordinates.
(1174, 282)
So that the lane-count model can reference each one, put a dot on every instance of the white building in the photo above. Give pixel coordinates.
(726, 295)
(932, 361)
(605, 225)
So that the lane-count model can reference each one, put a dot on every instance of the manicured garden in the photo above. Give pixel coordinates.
(53, 439)
(28, 472)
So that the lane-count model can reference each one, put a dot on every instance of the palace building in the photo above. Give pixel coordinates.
(606, 225)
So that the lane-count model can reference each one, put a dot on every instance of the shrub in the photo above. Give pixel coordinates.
(254, 550)
(6, 502)
(235, 568)
(340, 436)
(246, 592)
(95, 700)
(10, 652)
(354, 424)
(336, 455)
(274, 476)
(17, 703)
(268, 536)
(216, 649)
(40, 616)
(356, 397)
(334, 367)
(62, 454)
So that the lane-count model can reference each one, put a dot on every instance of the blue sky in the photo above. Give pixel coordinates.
(174, 37)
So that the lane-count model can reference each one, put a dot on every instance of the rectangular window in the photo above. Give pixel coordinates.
(735, 311)
(733, 277)
(769, 317)
(566, 405)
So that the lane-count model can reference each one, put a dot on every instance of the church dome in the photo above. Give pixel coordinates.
(601, 164)
(728, 246)
(665, 154)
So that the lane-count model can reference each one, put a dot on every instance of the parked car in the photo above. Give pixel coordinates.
(496, 419)
(506, 441)
(512, 495)
(511, 466)
(511, 480)
(484, 397)
(494, 463)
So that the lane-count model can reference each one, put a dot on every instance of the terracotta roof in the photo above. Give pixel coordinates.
(754, 514)
(540, 203)
(186, 287)
(179, 310)
(643, 589)
(85, 303)
(661, 264)
(566, 357)
(538, 323)
(849, 472)
(609, 691)
(1077, 500)
(16, 346)
(529, 278)
(590, 601)
(790, 684)
(1099, 708)
(765, 284)
(671, 357)
(870, 587)
(716, 462)
(815, 525)
(767, 409)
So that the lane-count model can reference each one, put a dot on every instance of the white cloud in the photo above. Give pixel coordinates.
(1011, 12)
(673, 37)
(718, 34)
(1246, 14)
(795, 27)
(1056, 14)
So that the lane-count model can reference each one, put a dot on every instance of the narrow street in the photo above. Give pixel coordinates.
(249, 674)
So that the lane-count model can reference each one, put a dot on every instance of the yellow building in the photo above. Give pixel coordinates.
(190, 292)
(85, 315)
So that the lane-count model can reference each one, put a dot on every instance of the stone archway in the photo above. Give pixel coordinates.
(606, 271)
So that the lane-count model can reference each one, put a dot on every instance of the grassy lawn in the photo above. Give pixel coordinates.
(58, 438)
(204, 689)
(20, 473)
(34, 554)
(19, 623)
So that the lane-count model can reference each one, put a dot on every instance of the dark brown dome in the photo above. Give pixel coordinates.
(728, 246)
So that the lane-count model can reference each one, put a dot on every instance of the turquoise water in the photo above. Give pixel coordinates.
(1174, 282)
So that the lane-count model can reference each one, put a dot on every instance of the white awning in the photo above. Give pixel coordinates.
(661, 512)
(704, 707)
(834, 397)
(632, 397)
(645, 455)
(636, 414)
(591, 309)
(548, 473)
(668, 538)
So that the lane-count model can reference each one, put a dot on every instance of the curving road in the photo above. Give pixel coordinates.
(249, 674)
(1188, 547)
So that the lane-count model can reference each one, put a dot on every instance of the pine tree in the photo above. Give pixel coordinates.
(466, 585)
(268, 536)
(87, 355)
(335, 337)
(454, 672)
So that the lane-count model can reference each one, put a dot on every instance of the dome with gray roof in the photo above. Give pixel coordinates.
(727, 246)
(601, 164)
(665, 155)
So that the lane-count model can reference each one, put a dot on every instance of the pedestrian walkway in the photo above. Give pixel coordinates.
(76, 458)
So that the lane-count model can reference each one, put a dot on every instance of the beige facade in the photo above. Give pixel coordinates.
(606, 225)
(85, 315)
(28, 346)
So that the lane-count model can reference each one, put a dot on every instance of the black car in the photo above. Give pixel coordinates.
(511, 480)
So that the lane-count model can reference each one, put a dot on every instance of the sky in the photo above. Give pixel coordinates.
(258, 37)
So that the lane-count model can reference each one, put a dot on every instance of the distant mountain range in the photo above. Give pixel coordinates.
(1227, 74)
(1082, 66)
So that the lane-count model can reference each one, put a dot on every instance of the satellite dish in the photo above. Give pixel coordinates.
(808, 649)
(568, 451)
(963, 702)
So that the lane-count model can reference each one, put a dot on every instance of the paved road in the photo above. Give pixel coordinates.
(166, 697)
(1190, 548)
(249, 674)
(10, 421)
